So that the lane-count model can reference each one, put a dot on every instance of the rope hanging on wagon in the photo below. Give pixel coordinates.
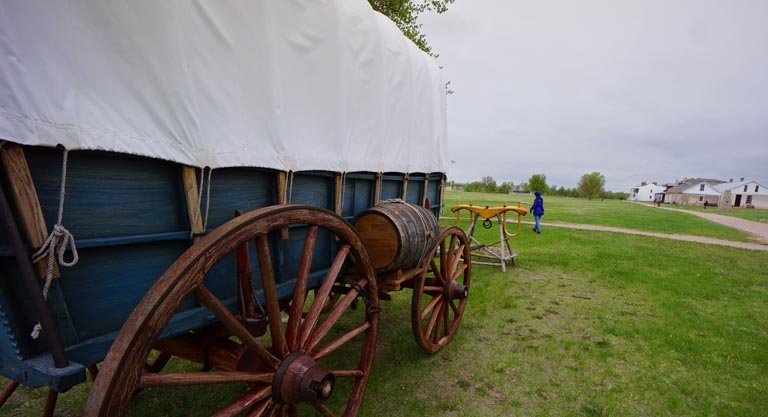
(56, 244)
(200, 201)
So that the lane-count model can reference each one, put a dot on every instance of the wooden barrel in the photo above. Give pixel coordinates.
(397, 235)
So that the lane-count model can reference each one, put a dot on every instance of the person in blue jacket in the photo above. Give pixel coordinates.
(538, 210)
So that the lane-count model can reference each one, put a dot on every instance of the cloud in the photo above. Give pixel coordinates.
(652, 90)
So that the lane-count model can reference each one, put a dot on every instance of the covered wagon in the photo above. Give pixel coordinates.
(223, 182)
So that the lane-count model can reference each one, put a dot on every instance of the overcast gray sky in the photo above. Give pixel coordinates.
(638, 90)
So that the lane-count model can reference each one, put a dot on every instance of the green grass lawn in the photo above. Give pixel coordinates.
(587, 324)
(613, 213)
(758, 215)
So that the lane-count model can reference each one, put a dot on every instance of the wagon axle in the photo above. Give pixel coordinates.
(456, 291)
(299, 379)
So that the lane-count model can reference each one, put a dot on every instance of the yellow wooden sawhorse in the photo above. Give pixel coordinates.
(504, 252)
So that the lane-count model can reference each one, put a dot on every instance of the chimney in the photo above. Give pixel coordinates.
(730, 179)
(742, 179)
(643, 183)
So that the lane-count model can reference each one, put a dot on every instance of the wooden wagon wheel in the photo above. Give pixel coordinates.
(284, 369)
(440, 293)
(330, 301)
(333, 298)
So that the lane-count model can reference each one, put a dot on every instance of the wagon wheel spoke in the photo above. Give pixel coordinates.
(331, 301)
(453, 307)
(443, 261)
(431, 306)
(350, 373)
(322, 408)
(446, 318)
(157, 364)
(300, 292)
(233, 325)
(318, 354)
(244, 286)
(431, 288)
(248, 400)
(458, 257)
(261, 409)
(270, 411)
(450, 255)
(201, 378)
(458, 272)
(322, 329)
(436, 270)
(436, 313)
(322, 294)
(438, 323)
(269, 286)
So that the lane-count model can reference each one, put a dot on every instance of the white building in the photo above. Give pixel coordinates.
(694, 191)
(645, 192)
(744, 194)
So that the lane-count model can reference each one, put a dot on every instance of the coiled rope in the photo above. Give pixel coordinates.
(56, 244)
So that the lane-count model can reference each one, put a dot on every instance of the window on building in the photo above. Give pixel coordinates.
(745, 188)
(701, 198)
(701, 187)
(757, 187)
(749, 199)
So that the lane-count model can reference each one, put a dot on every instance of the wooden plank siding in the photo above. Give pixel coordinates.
(415, 191)
(131, 218)
(392, 186)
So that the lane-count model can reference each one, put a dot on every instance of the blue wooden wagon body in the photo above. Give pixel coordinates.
(129, 217)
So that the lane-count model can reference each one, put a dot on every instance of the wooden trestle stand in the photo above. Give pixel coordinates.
(500, 250)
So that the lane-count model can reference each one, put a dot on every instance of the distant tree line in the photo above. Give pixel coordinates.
(591, 185)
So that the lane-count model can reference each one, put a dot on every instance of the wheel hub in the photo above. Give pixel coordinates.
(299, 379)
(456, 291)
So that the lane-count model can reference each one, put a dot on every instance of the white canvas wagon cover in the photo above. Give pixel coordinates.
(285, 84)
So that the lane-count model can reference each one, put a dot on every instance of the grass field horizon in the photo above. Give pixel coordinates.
(612, 213)
(586, 324)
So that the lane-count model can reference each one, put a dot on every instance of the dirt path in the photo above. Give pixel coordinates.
(686, 238)
(759, 230)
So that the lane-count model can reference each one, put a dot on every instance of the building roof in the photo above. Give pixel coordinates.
(731, 185)
(650, 184)
(689, 182)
